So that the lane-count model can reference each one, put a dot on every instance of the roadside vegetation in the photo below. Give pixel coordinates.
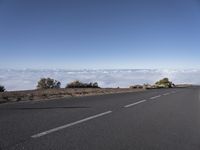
(164, 83)
(78, 84)
(2, 88)
(136, 86)
(46, 94)
(48, 83)
(48, 88)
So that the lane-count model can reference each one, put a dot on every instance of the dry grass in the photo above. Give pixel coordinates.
(47, 94)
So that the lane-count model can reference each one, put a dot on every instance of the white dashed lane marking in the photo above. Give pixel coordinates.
(70, 124)
(166, 94)
(155, 97)
(136, 103)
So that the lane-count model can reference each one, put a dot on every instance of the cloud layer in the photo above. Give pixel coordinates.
(27, 78)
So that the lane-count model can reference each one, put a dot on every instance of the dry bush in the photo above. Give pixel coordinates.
(48, 83)
(2, 88)
(78, 84)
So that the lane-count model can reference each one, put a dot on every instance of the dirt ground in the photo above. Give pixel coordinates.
(47, 94)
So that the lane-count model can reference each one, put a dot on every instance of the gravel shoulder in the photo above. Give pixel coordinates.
(47, 94)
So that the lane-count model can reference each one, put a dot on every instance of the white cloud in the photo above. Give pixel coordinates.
(27, 79)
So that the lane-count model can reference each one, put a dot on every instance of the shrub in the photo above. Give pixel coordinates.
(148, 86)
(19, 99)
(164, 83)
(2, 88)
(30, 96)
(5, 97)
(136, 87)
(48, 83)
(78, 84)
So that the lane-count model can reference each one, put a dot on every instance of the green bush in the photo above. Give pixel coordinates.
(78, 84)
(164, 83)
(2, 88)
(48, 83)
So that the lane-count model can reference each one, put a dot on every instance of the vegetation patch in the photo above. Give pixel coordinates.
(48, 83)
(2, 88)
(78, 84)
(164, 83)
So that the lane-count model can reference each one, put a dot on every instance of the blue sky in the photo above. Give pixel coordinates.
(103, 34)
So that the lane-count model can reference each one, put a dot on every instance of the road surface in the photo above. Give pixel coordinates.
(163, 119)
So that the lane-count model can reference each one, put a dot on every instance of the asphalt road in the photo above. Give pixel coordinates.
(165, 119)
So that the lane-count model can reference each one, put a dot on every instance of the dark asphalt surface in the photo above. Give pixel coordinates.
(166, 119)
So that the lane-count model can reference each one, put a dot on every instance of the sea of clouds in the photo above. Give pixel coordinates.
(27, 78)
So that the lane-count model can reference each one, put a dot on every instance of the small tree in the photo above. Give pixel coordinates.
(48, 83)
(95, 85)
(2, 88)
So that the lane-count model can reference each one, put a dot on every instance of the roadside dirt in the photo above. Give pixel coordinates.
(31, 95)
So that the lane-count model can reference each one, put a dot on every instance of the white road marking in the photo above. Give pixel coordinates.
(133, 104)
(166, 94)
(69, 125)
(155, 97)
